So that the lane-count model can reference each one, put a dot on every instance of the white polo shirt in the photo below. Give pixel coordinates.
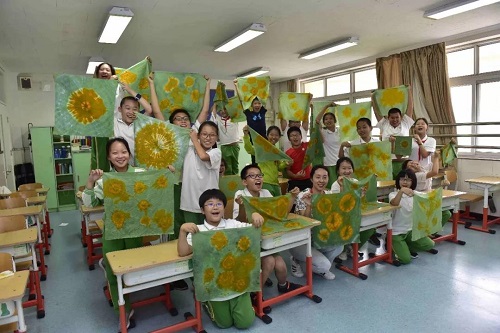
(331, 145)
(127, 132)
(402, 130)
(228, 131)
(402, 220)
(429, 145)
(285, 143)
(263, 193)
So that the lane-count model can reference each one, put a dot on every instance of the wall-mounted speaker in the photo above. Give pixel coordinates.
(25, 82)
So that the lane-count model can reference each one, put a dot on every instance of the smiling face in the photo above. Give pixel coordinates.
(329, 120)
(319, 180)
(394, 119)
(129, 110)
(253, 181)
(345, 169)
(213, 209)
(413, 166)
(273, 136)
(421, 127)
(364, 130)
(295, 138)
(207, 136)
(405, 182)
(104, 72)
(181, 119)
(256, 105)
(119, 156)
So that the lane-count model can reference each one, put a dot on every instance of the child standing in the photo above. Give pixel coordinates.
(286, 125)
(299, 176)
(402, 245)
(235, 310)
(228, 140)
(364, 128)
(256, 119)
(422, 147)
(331, 140)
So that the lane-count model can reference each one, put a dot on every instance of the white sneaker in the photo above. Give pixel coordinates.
(348, 250)
(343, 256)
(296, 270)
(327, 275)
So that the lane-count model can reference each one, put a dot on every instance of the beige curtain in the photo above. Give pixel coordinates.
(389, 72)
(427, 68)
(291, 85)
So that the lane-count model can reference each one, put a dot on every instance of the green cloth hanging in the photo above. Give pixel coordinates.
(230, 184)
(372, 158)
(426, 213)
(402, 145)
(235, 110)
(315, 149)
(137, 77)
(294, 106)
(265, 150)
(395, 97)
(249, 88)
(348, 115)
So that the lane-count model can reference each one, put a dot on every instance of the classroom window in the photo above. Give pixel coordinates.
(365, 80)
(489, 58)
(338, 85)
(461, 98)
(316, 88)
(375, 130)
(488, 102)
(461, 63)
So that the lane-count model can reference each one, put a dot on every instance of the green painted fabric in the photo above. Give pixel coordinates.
(426, 213)
(402, 145)
(230, 184)
(226, 262)
(220, 98)
(372, 158)
(340, 216)
(265, 150)
(235, 110)
(348, 115)
(84, 106)
(138, 203)
(294, 106)
(180, 91)
(7, 309)
(159, 144)
(315, 150)
(449, 153)
(137, 77)
(395, 97)
(317, 107)
(249, 88)
(275, 213)
(366, 187)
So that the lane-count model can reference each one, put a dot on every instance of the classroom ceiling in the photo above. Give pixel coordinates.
(54, 36)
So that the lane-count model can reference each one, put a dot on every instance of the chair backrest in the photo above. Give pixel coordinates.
(30, 186)
(12, 203)
(452, 177)
(24, 194)
(6, 262)
(12, 223)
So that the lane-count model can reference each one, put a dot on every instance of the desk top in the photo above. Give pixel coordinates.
(451, 194)
(439, 176)
(127, 261)
(100, 225)
(488, 180)
(385, 208)
(36, 200)
(88, 210)
(13, 287)
(385, 183)
(4, 195)
(42, 190)
(291, 216)
(282, 180)
(24, 236)
(26, 211)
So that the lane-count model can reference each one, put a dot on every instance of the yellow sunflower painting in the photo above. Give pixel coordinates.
(347, 117)
(251, 88)
(394, 97)
(426, 213)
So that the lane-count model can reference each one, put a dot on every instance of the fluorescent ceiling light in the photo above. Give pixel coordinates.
(255, 72)
(118, 19)
(340, 45)
(456, 8)
(93, 63)
(256, 29)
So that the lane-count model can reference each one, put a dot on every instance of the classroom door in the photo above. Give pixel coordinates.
(6, 175)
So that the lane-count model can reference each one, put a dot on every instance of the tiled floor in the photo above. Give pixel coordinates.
(457, 290)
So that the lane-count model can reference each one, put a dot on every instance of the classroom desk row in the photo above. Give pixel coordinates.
(488, 185)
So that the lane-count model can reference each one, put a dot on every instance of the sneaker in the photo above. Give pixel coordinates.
(253, 297)
(374, 240)
(348, 250)
(343, 256)
(296, 270)
(268, 283)
(414, 255)
(327, 275)
(289, 286)
(179, 285)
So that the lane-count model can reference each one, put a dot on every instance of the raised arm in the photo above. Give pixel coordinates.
(145, 104)
(409, 109)
(202, 154)
(206, 103)
(155, 105)
(283, 124)
(435, 165)
(319, 117)
(375, 108)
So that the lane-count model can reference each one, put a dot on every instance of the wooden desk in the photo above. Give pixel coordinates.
(38, 200)
(451, 200)
(373, 218)
(33, 212)
(4, 195)
(12, 289)
(437, 180)
(152, 258)
(46, 231)
(283, 185)
(26, 236)
(384, 187)
(42, 190)
(298, 238)
(487, 184)
(90, 214)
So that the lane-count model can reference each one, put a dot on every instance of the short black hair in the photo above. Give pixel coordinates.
(175, 113)
(244, 171)
(394, 110)
(406, 173)
(128, 98)
(329, 113)
(366, 120)
(212, 194)
(97, 68)
(211, 124)
(423, 119)
(316, 167)
(404, 166)
(113, 140)
(343, 159)
(271, 128)
(291, 130)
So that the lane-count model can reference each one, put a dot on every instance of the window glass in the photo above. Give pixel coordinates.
(338, 85)
(375, 130)
(489, 58)
(461, 63)
(365, 80)
(488, 101)
(461, 100)
(317, 88)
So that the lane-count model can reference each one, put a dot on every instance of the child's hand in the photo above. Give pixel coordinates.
(114, 77)
(408, 191)
(345, 144)
(295, 191)
(151, 78)
(148, 58)
(306, 198)
(206, 77)
(417, 139)
(189, 228)
(301, 173)
(95, 175)
(171, 168)
(193, 135)
(392, 139)
(238, 200)
(257, 220)
(245, 130)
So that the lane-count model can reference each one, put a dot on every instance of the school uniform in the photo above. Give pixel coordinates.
(228, 143)
(358, 141)
(429, 145)
(285, 143)
(257, 122)
(297, 155)
(331, 146)
(263, 193)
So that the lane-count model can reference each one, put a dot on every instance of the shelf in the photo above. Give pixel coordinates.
(62, 158)
(64, 174)
(62, 142)
(71, 189)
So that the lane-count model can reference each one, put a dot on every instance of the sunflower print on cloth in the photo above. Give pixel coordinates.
(340, 216)
(180, 91)
(230, 184)
(235, 110)
(449, 153)
(226, 262)
(159, 144)
(426, 213)
(294, 106)
(402, 145)
(395, 97)
(138, 203)
(366, 187)
(137, 77)
(373, 158)
(249, 88)
(348, 115)
(275, 213)
(265, 150)
(84, 106)
(220, 98)
(315, 149)
(317, 107)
